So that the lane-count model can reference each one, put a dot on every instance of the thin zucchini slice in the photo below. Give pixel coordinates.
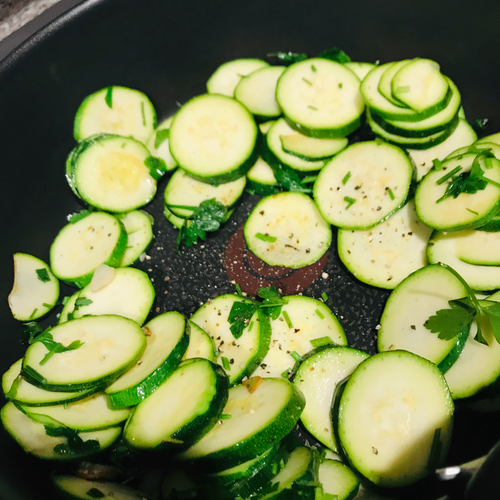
(266, 411)
(410, 305)
(69, 307)
(395, 418)
(388, 252)
(447, 212)
(385, 83)
(317, 378)
(261, 179)
(172, 218)
(286, 229)
(363, 185)
(495, 138)
(274, 138)
(420, 86)
(112, 173)
(442, 247)
(338, 480)
(200, 344)
(320, 98)
(76, 488)
(480, 248)
(167, 340)
(182, 190)
(33, 438)
(89, 414)
(115, 110)
(213, 139)
(257, 91)
(303, 320)
(130, 294)
(462, 136)
(242, 355)
(139, 227)
(110, 346)
(159, 144)
(21, 392)
(35, 290)
(182, 409)
(227, 76)
(360, 69)
(310, 148)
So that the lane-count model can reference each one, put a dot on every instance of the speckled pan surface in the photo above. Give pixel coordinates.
(168, 50)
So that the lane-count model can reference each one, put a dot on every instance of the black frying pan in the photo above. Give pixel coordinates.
(168, 49)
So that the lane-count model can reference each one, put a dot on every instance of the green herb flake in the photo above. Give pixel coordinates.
(307, 81)
(65, 300)
(48, 306)
(390, 192)
(33, 313)
(225, 363)
(437, 164)
(296, 356)
(143, 114)
(287, 319)
(108, 98)
(322, 341)
(320, 314)
(313, 68)
(312, 107)
(324, 296)
(95, 493)
(54, 347)
(74, 445)
(286, 373)
(448, 175)
(402, 90)
(266, 237)
(340, 85)
(83, 301)
(472, 211)
(346, 178)
(161, 136)
(350, 201)
(239, 316)
(225, 416)
(157, 167)
(335, 54)
(43, 275)
(238, 290)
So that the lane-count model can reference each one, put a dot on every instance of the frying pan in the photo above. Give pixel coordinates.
(168, 49)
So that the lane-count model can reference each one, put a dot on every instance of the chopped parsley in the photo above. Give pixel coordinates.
(322, 341)
(296, 356)
(266, 237)
(437, 164)
(161, 136)
(287, 319)
(346, 178)
(108, 98)
(324, 296)
(43, 275)
(157, 167)
(350, 201)
(391, 194)
(320, 314)
(225, 363)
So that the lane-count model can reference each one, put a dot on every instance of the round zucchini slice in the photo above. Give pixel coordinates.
(139, 227)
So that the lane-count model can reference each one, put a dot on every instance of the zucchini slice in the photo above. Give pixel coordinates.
(82, 246)
(385, 83)
(388, 252)
(363, 185)
(110, 346)
(139, 228)
(33, 438)
(317, 378)
(159, 144)
(116, 110)
(200, 344)
(410, 305)
(302, 321)
(182, 409)
(338, 480)
(360, 69)
(395, 418)
(286, 229)
(35, 290)
(213, 139)
(261, 414)
(167, 339)
(261, 179)
(112, 173)
(320, 98)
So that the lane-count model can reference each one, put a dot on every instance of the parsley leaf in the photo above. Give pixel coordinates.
(75, 445)
(288, 57)
(43, 275)
(335, 54)
(156, 166)
(448, 323)
(30, 331)
(108, 98)
(54, 347)
(161, 136)
(493, 313)
(272, 301)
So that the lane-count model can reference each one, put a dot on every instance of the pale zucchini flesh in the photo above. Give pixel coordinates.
(158, 144)
(139, 227)
(200, 344)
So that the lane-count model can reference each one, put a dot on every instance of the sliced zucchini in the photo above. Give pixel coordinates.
(88, 414)
(260, 414)
(227, 76)
(182, 409)
(286, 229)
(35, 290)
(113, 173)
(388, 252)
(115, 110)
(463, 135)
(33, 438)
(385, 83)
(242, 355)
(110, 346)
(395, 418)
(167, 339)
(360, 69)
(310, 148)
(82, 489)
(182, 190)
(69, 307)
(442, 247)
(363, 185)
(480, 248)
(257, 91)
(139, 227)
(495, 138)
(200, 344)
(173, 219)
(302, 322)
(449, 211)
(130, 293)
(317, 378)
(320, 98)
(159, 144)
(410, 305)
(213, 139)
(82, 246)
(261, 179)
(338, 480)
